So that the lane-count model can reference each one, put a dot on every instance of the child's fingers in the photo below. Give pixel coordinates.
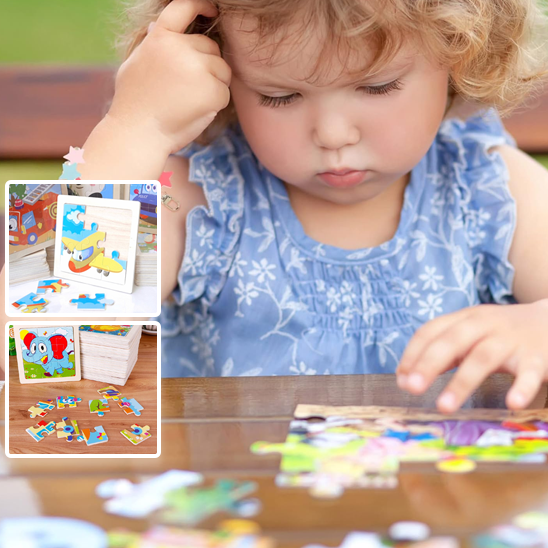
(444, 352)
(178, 14)
(485, 358)
(529, 377)
(424, 337)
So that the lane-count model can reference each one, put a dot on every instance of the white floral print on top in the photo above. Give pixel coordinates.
(257, 296)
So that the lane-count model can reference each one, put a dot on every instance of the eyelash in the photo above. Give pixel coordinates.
(385, 89)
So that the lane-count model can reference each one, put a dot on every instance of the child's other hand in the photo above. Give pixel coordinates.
(480, 340)
(172, 82)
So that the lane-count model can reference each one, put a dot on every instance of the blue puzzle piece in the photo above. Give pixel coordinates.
(93, 438)
(134, 405)
(30, 302)
(98, 302)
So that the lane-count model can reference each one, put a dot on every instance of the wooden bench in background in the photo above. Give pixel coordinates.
(43, 110)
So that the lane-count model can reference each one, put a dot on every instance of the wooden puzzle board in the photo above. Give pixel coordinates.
(96, 241)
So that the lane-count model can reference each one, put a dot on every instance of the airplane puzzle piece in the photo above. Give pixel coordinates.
(190, 506)
(99, 406)
(42, 429)
(106, 264)
(31, 303)
(137, 435)
(67, 401)
(94, 438)
(54, 284)
(130, 406)
(139, 500)
(85, 302)
(110, 392)
(68, 432)
(41, 408)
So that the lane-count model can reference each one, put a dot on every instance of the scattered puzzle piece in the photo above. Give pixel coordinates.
(110, 392)
(42, 429)
(94, 438)
(67, 401)
(31, 303)
(85, 302)
(69, 432)
(41, 408)
(138, 435)
(190, 506)
(99, 406)
(130, 406)
(54, 284)
(139, 500)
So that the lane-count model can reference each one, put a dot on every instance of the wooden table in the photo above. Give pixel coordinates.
(141, 385)
(208, 425)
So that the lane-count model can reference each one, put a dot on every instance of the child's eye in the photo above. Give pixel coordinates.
(385, 89)
(267, 101)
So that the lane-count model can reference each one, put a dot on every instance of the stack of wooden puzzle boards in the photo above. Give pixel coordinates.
(108, 353)
(146, 260)
(30, 267)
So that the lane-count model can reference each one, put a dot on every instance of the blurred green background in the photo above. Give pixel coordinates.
(60, 32)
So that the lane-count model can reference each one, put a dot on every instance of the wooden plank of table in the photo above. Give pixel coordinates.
(459, 505)
(141, 385)
(260, 398)
(44, 110)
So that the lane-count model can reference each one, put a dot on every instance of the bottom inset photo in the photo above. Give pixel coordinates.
(76, 390)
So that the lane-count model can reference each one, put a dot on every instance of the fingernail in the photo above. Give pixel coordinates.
(150, 27)
(415, 381)
(517, 399)
(447, 401)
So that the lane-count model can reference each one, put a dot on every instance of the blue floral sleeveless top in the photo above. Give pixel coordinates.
(257, 296)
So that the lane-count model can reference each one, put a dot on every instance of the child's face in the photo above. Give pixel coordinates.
(333, 124)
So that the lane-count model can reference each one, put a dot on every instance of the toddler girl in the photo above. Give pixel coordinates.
(344, 180)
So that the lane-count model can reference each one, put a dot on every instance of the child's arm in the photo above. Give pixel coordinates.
(485, 339)
(167, 92)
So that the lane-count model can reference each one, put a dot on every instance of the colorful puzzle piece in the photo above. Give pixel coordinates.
(94, 438)
(139, 500)
(67, 401)
(85, 302)
(54, 284)
(130, 406)
(41, 408)
(138, 435)
(31, 303)
(99, 406)
(110, 392)
(190, 506)
(42, 429)
(69, 432)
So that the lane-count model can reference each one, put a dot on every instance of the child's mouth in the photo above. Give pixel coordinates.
(344, 179)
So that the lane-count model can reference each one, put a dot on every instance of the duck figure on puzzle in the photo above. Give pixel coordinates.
(49, 352)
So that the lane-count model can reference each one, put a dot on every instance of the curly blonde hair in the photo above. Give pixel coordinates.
(496, 50)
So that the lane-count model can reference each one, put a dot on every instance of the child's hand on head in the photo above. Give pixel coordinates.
(480, 340)
(175, 83)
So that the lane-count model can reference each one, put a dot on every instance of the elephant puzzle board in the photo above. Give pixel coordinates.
(47, 353)
(96, 241)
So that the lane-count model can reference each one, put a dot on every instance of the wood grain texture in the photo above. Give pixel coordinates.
(141, 385)
(258, 398)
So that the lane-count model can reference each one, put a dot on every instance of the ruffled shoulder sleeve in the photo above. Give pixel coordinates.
(488, 209)
(212, 232)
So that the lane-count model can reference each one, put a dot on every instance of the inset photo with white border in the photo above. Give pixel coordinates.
(82, 389)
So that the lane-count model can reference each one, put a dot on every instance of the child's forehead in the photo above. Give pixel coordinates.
(291, 55)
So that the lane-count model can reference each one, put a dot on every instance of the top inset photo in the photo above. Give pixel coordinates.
(81, 249)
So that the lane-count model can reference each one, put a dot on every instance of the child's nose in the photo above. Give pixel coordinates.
(334, 132)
